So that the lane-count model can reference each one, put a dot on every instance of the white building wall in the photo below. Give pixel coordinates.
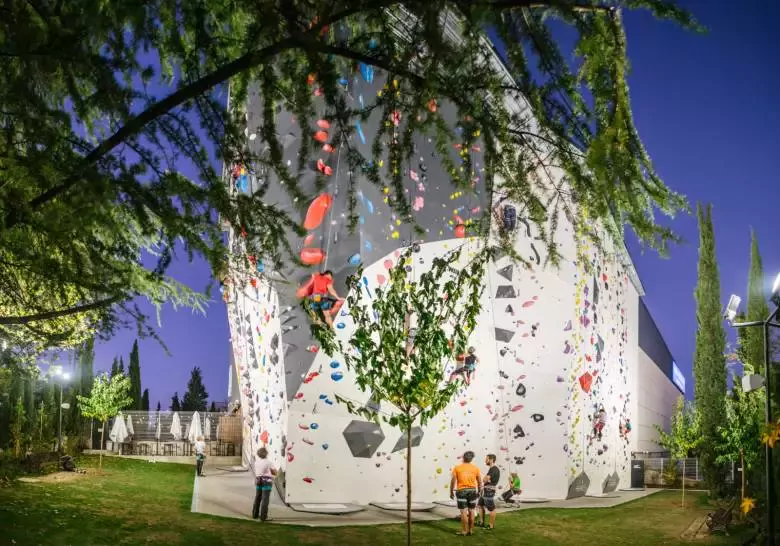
(657, 396)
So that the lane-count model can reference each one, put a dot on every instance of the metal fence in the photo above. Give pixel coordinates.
(154, 434)
(665, 471)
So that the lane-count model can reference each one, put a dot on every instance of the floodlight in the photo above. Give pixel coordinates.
(732, 307)
(776, 291)
(66, 376)
(752, 382)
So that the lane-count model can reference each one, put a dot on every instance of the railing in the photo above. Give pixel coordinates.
(153, 434)
(664, 471)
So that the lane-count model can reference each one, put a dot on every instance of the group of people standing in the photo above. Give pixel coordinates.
(471, 490)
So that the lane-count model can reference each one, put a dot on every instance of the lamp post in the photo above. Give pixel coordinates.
(771, 320)
(65, 376)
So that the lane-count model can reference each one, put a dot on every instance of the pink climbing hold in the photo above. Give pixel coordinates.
(311, 376)
(303, 427)
(323, 124)
(298, 396)
(290, 457)
(530, 302)
(380, 279)
(388, 264)
(461, 432)
(517, 407)
(463, 402)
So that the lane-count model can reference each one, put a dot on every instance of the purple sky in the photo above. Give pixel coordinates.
(705, 107)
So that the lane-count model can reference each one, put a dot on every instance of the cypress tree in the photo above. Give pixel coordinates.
(134, 372)
(709, 361)
(175, 404)
(115, 367)
(121, 368)
(757, 309)
(145, 400)
(196, 397)
(158, 405)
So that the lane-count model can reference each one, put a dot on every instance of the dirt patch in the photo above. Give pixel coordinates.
(57, 477)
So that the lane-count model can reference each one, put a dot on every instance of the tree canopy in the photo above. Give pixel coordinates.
(113, 116)
(196, 397)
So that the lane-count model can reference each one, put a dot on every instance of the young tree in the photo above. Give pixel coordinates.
(196, 398)
(739, 436)
(145, 400)
(134, 372)
(175, 404)
(683, 436)
(709, 361)
(108, 396)
(158, 403)
(443, 305)
(90, 179)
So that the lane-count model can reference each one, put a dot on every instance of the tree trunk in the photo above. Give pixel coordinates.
(100, 457)
(683, 480)
(409, 484)
(742, 462)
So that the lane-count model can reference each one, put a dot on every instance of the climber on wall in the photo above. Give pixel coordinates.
(599, 421)
(466, 367)
(322, 297)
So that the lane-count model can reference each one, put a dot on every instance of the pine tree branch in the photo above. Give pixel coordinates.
(48, 315)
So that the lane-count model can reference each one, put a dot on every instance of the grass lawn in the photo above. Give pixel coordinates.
(134, 502)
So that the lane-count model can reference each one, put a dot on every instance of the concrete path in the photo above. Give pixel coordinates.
(230, 494)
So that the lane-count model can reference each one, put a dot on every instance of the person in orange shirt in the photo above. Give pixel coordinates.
(322, 296)
(466, 487)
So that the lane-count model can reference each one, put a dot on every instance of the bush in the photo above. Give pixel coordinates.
(670, 474)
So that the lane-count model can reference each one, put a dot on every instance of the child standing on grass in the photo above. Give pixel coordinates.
(200, 454)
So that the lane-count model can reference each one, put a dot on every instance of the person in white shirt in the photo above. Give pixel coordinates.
(264, 480)
(200, 454)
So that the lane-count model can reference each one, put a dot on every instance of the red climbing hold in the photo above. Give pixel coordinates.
(460, 231)
(308, 480)
(311, 376)
(298, 395)
(321, 136)
(585, 381)
(264, 437)
(312, 256)
(327, 148)
(290, 457)
(316, 213)
(253, 282)
(323, 124)
(323, 168)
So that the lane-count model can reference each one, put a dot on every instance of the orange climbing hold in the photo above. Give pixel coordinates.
(585, 381)
(312, 256)
(321, 136)
(327, 148)
(432, 106)
(317, 210)
(460, 231)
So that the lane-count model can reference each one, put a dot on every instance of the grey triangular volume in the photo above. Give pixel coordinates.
(507, 271)
(373, 404)
(402, 443)
(504, 336)
(505, 291)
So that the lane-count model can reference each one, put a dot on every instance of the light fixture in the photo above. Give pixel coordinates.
(752, 382)
(775, 297)
(732, 307)
(66, 376)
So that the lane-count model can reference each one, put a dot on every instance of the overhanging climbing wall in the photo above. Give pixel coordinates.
(555, 345)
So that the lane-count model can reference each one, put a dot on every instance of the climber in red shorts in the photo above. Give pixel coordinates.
(322, 296)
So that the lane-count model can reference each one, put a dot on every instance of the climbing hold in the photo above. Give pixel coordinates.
(585, 381)
(312, 256)
(321, 136)
(308, 240)
(317, 210)
(337, 376)
(314, 426)
(460, 231)
(323, 124)
(334, 364)
(323, 168)
(380, 279)
(325, 446)
(416, 247)
(264, 437)
(520, 390)
(308, 480)
(388, 264)
(354, 259)
(537, 417)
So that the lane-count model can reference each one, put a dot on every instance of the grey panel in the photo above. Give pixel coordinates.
(363, 438)
(505, 291)
(402, 443)
(579, 487)
(610, 483)
(507, 271)
(504, 336)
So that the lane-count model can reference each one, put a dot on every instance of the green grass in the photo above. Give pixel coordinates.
(134, 502)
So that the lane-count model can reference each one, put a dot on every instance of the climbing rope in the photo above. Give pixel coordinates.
(507, 441)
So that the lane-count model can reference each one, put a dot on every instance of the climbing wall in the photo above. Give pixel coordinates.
(254, 316)
(555, 344)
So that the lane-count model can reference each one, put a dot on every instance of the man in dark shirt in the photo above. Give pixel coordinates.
(487, 501)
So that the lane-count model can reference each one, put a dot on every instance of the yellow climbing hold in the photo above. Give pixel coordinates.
(395, 235)
(386, 190)
(438, 470)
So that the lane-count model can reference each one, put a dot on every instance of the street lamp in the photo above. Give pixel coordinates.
(754, 382)
(65, 377)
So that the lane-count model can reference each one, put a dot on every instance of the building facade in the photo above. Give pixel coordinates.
(564, 392)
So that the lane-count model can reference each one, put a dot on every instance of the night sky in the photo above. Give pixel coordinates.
(705, 106)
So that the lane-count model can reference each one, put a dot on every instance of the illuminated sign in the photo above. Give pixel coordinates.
(677, 377)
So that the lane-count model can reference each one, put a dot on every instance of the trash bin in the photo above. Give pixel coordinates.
(637, 474)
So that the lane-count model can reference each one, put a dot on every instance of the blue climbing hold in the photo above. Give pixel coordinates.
(341, 325)
(354, 259)
(370, 206)
(329, 402)
(325, 446)
(360, 132)
(334, 364)
(337, 376)
(372, 43)
(314, 426)
(260, 267)
(323, 396)
(369, 246)
(367, 71)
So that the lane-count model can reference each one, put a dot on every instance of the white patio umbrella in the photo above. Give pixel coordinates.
(130, 429)
(195, 429)
(118, 432)
(157, 432)
(207, 428)
(176, 427)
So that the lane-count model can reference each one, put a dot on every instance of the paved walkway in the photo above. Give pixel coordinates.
(230, 494)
